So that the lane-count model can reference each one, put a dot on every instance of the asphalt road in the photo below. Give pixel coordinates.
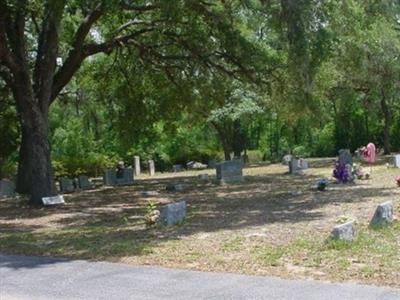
(50, 278)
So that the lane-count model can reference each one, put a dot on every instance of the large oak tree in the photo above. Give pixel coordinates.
(44, 43)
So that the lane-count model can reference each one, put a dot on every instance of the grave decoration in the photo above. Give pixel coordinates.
(343, 171)
(398, 180)
(322, 184)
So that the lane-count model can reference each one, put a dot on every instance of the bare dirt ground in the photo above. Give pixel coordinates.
(271, 224)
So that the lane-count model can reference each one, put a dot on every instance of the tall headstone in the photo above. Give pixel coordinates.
(230, 171)
(396, 161)
(294, 165)
(345, 157)
(173, 213)
(152, 169)
(7, 188)
(137, 165)
(66, 185)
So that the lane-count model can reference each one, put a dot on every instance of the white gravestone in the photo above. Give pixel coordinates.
(55, 200)
(137, 165)
(396, 161)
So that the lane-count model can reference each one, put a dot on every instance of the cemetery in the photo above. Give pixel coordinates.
(262, 220)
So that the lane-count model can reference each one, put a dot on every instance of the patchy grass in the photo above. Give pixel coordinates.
(272, 224)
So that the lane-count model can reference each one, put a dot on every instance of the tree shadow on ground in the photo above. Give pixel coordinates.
(109, 222)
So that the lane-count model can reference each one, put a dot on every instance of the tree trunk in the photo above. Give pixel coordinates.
(387, 122)
(35, 173)
(237, 141)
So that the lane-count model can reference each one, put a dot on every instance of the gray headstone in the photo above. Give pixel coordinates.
(303, 164)
(173, 213)
(66, 185)
(396, 161)
(59, 199)
(7, 188)
(175, 187)
(230, 171)
(125, 178)
(137, 165)
(152, 168)
(84, 183)
(294, 165)
(203, 177)
(212, 163)
(345, 157)
(110, 177)
(345, 232)
(286, 159)
(177, 168)
(383, 215)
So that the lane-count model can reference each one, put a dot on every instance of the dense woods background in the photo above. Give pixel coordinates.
(309, 77)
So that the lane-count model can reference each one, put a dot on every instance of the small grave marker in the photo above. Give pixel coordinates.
(55, 200)
(173, 213)
(177, 168)
(383, 215)
(175, 187)
(7, 188)
(344, 232)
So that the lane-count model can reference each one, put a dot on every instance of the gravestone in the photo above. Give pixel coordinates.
(345, 157)
(109, 177)
(396, 161)
(152, 168)
(212, 163)
(230, 171)
(303, 164)
(344, 232)
(173, 213)
(149, 193)
(203, 177)
(137, 165)
(122, 177)
(47, 201)
(7, 188)
(383, 215)
(84, 183)
(196, 165)
(286, 159)
(66, 185)
(177, 168)
(175, 187)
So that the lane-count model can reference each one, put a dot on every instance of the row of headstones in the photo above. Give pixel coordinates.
(383, 216)
(137, 168)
